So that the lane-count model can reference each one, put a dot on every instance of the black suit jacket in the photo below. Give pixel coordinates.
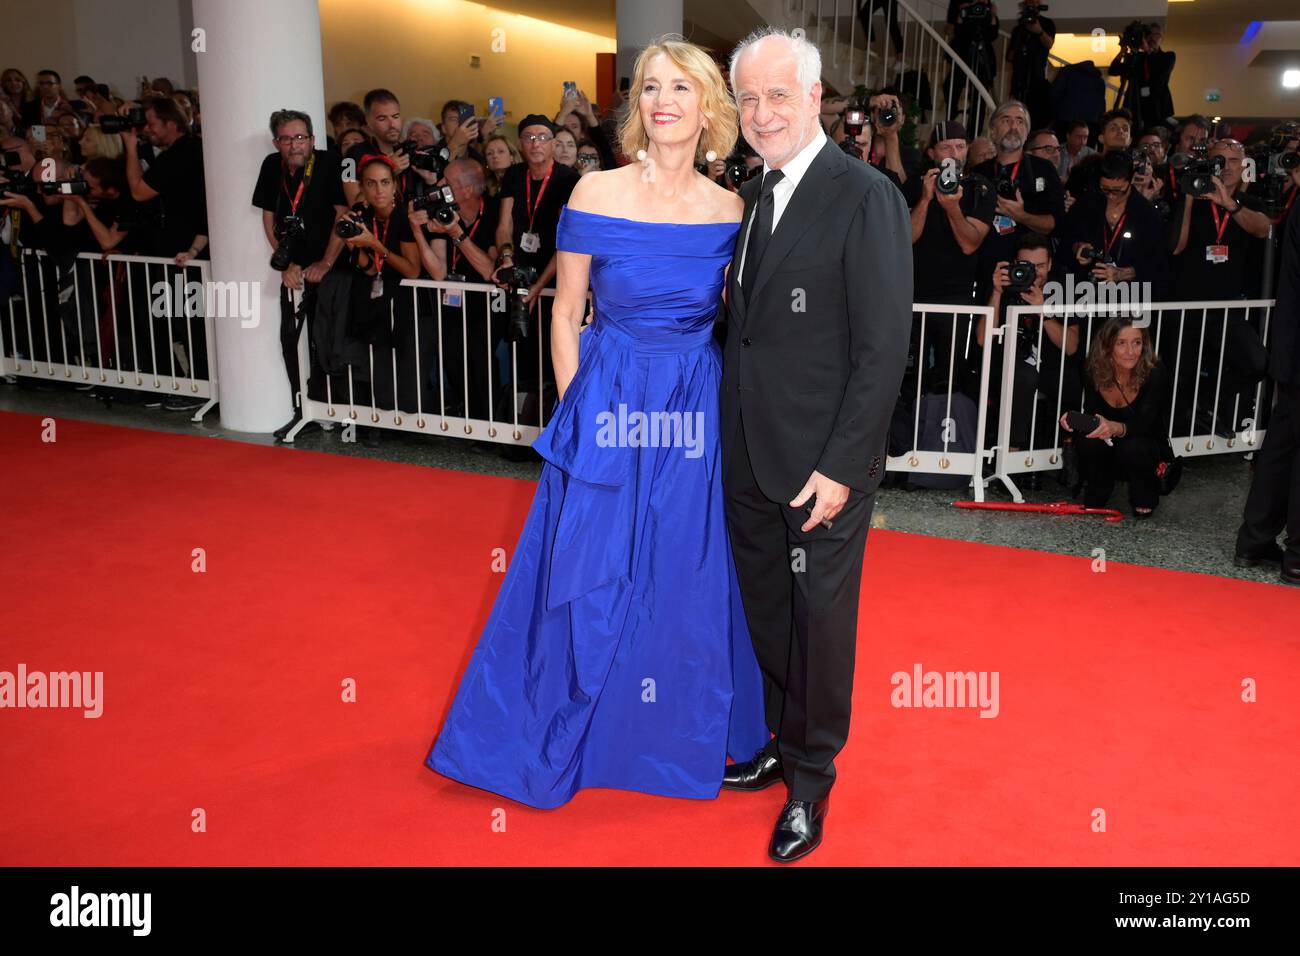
(1284, 347)
(815, 352)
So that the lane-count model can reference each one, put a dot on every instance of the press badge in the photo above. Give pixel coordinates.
(1005, 225)
(377, 288)
(530, 242)
(1216, 254)
(1145, 91)
(451, 297)
(1039, 184)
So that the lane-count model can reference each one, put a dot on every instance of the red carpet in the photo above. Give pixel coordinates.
(1119, 691)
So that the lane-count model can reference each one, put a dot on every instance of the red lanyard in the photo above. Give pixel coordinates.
(1015, 170)
(528, 194)
(1290, 198)
(1118, 227)
(455, 251)
(1214, 211)
(302, 184)
(381, 257)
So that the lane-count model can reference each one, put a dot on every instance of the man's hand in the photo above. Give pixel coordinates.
(949, 201)
(879, 102)
(1001, 276)
(401, 160)
(831, 496)
(928, 183)
(584, 108)
(16, 201)
(1222, 196)
(465, 134)
(292, 277)
(1032, 296)
(490, 124)
(1015, 208)
(534, 291)
(1079, 249)
(316, 271)
(1105, 273)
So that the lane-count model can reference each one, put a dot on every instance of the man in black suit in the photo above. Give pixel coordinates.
(819, 312)
(1274, 499)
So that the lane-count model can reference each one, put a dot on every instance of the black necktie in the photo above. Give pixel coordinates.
(760, 230)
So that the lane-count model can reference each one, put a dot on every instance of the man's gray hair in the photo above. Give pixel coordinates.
(472, 168)
(807, 56)
(1006, 107)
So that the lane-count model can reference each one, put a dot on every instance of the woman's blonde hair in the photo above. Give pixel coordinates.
(108, 145)
(722, 121)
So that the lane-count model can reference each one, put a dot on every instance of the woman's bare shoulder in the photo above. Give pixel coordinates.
(598, 191)
(727, 206)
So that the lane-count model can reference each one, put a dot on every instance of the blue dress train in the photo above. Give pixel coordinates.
(617, 654)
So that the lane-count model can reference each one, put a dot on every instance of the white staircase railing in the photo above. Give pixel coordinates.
(924, 62)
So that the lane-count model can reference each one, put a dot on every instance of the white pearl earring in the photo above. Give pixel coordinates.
(640, 155)
(711, 156)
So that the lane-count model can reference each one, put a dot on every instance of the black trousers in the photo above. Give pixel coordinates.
(868, 9)
(290, 331)
(1274, 499)
(800, 592)
(1134, 459)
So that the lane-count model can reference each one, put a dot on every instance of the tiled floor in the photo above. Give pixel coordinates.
(1193, 530)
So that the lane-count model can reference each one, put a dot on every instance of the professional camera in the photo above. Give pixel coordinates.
(978, 12)
(738, 170)
(1029, 14)
(1007, 187)
(15, 180)
(134, 119)
(1196, 172)
(1021, 276)
(1141, 159)
(1272, 175)
(972, 181)
(1134, 35)
(287, 233)
(519, 278)
(1093, 256)
(440, 203)
(431, 159)
(349, 227)
(888, 116)
(65, 187)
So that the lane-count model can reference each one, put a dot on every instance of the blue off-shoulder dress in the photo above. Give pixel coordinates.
(617, 653)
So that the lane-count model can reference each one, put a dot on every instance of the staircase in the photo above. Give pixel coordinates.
(849, 60)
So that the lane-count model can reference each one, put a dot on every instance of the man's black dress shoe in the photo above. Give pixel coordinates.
(1289, 575)
(798, 830)
(756, 774)
(1270, 554)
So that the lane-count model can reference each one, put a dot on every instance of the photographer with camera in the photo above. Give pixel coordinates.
(384, 132)
(952, 213)
(364, 299)
(1020, 280)
(1114, 234)
(1273, 503)
(971, 32)
(1116, 136)
(855, 133)
(300, 192)
(456, 237)
(532, 194)
(1030, 197)
(1120, 433)
(1144, 70)
(1218, 234)
(1031, 39)
(173, 188)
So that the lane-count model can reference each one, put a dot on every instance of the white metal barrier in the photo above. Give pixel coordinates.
(1220, 433)
(81, 323)
(464, 413)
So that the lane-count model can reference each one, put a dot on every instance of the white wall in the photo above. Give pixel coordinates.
(115, 41)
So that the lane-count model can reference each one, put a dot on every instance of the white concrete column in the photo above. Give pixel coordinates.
(259, 57)
(637, 22)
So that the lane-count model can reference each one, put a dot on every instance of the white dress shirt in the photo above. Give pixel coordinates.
(794, 171)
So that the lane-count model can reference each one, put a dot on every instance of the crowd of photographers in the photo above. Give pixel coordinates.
(1125, 198)
(86, 171)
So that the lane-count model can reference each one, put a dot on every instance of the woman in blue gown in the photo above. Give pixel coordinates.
(616, 654)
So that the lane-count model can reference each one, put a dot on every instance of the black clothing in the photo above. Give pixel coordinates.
(277, 188)
(1029, 71)
(545, 204)
(1138, 240)
(176, 174)
(1134, 457)
(941, 271)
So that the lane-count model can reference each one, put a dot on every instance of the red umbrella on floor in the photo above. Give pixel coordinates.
(1051, 508)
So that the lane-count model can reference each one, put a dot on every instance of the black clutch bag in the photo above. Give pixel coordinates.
(1081, 424)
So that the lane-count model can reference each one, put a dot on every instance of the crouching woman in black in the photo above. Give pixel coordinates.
(1128, 389)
